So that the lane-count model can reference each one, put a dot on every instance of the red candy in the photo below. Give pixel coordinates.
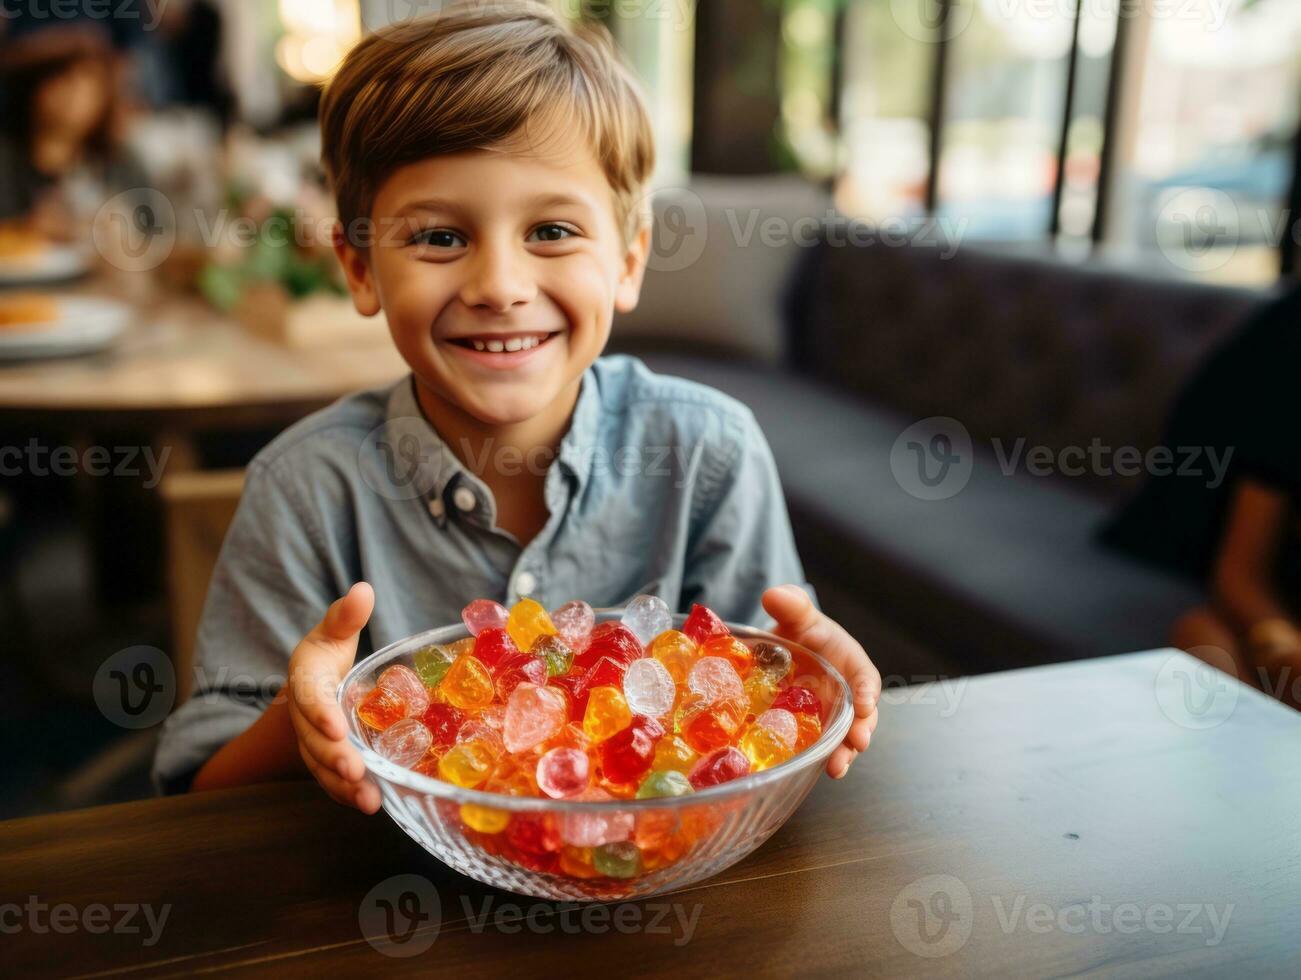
(493, 647)
(720, 766)
(444, 721)
(605, 671)
(627, 755)
(613, 640)
(702, 623)
(516, 670)
(798, 700)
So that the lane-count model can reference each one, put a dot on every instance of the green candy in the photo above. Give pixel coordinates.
(555, 652)
(618, 860)
(666, 783)
(431, 664)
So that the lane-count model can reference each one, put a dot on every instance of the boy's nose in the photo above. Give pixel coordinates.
(498, 279)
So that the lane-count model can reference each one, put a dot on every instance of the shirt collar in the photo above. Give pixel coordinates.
(433, 470)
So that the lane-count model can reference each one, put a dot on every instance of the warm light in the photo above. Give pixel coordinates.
(317, 35)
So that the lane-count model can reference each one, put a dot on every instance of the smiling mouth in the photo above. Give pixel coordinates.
(503, 343)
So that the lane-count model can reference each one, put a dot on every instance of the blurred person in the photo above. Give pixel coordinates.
(1241, 540)
(61, 150)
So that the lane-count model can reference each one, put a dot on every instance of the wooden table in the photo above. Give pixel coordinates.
(1068, 820)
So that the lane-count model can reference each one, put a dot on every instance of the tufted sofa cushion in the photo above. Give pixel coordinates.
(1013, 347)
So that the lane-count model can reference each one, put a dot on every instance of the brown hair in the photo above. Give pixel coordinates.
(482, 75)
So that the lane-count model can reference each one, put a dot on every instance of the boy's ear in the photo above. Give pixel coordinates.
(634, 268)
(356, 269)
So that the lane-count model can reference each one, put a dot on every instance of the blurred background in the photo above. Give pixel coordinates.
(1009, 222)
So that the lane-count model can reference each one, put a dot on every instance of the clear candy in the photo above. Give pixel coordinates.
(582, 827)
(647, 616)
(563, 772)
(483, 614)
(404, 743)
(781, 723)
(715, 679)
(478, 730)
(533, 715)
(648, 688)
(406, 684)
(574, 622)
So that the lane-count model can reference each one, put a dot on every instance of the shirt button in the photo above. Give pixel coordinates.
(525, 583)
(465, 499)
(436, 506)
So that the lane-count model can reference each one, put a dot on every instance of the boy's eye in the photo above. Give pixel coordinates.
(548, 232)
(437, 237)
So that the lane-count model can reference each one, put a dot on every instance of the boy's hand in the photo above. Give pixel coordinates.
(317, 666)
(799, 621)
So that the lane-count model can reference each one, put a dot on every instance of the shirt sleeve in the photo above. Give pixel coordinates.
(268, 589)
(742, 542)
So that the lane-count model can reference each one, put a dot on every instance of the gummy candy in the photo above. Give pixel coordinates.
(760, 688)
(443, 722)
(613, 640)
(720, 766)
(647, 616)
(574, 621)
(467, 683)
(773, 659)
(493, 647)
(406, 684)
(627, 755)
(798, 700)
(715, 679)
(606, 713)
(676, 651)
(466, 764)
(620, 859)
(484, 614)
(732, 650)
(809, 730)
(709, 726)
(431, 664)
(485, 819)
(672, 753)
(533, 715)
(516, 670)
(670, 782)
(405, 742)
(381, 708)
(563, 772)
(592, 828)
(702, 623)
(527, 621)
(553, 651)
(649, 688)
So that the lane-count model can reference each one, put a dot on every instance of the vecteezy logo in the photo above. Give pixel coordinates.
(932, 916)
(135, 231)
(397, 459)
(401, 915)
(926, 20)
(932, 459)
(1198, 229)
(1194, 694)
(680, 229)
(136, 687)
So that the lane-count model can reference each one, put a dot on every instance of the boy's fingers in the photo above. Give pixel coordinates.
(840, 760)
(336, 633)
(366, 797)
(799, 621)
(340, 790)
(335, 755)
(313, 699)
(860, 733)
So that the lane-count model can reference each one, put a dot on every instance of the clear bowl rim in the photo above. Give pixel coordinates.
(833, 734)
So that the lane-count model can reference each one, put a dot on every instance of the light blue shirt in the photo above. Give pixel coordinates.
(661, 485)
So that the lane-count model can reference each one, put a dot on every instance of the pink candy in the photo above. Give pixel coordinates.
(563, 772)
(583, 827)
(781, 723)
(574, 621)
(533, 715)
(404, 743)
(483, 614)
(406, 684)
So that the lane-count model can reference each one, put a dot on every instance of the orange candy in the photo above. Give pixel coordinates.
(467, 684)
(732, 650)
(381, 708)
(709, 727)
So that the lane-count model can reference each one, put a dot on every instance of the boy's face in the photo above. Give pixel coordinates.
(499, 274)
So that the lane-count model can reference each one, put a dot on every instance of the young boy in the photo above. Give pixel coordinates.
(488, 163)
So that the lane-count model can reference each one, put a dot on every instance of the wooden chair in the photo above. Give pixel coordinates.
(199, 507)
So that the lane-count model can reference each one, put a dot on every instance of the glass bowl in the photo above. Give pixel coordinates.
(680, 840)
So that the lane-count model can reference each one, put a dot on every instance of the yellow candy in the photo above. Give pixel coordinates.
(763, 748)
(467, 763)
(760, 688)
(467, 684)
(808, 729)
(607, 713)
(673, 753)
(484, 819)
(527, 621)
(676, 651)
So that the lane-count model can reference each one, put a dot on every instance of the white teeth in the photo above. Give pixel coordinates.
(496, 346)
(515, 343)
(478, 345)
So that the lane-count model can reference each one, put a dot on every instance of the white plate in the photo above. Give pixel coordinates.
(52, 264)
(85, 324)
